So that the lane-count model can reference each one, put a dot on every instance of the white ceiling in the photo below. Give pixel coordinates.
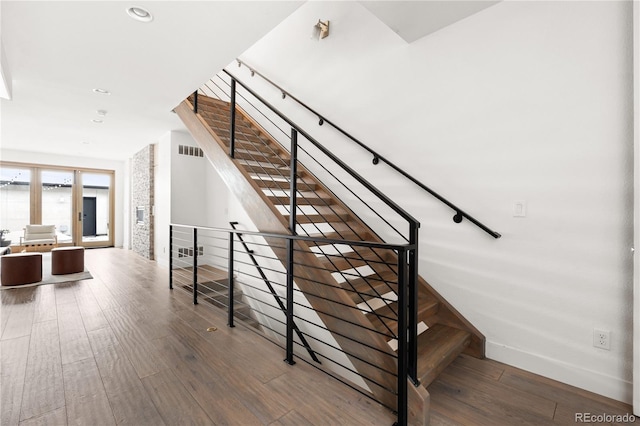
(57, 52)
(412, 20)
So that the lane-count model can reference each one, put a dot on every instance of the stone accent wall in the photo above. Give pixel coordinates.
(142, 198)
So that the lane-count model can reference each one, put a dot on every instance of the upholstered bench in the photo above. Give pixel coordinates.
(67, 260)
(20, 268)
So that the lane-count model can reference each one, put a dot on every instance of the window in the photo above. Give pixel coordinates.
(15, 200)
(79, 202)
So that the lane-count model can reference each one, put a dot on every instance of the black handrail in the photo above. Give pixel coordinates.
(457, 218)
(323, 241)
(303, 340)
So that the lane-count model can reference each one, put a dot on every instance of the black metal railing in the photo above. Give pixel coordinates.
(459, 215)
(280, 175)
(206, 262)
(250, 253)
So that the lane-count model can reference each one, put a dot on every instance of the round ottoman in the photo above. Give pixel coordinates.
(20, 268)
(67, 260)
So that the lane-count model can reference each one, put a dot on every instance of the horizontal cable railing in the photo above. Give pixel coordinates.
(277, 154)
(310, 150)
(459, 215)
(242, 272)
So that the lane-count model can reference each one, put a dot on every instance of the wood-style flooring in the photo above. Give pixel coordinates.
(123, 349)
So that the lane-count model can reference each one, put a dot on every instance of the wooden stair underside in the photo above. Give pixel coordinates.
(259, 175)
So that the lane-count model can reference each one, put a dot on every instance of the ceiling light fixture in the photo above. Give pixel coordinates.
(140, 14)
(97, 121)
(321, 29)
(101, 91)
(101, 112)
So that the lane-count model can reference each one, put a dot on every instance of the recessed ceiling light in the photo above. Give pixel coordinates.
(85, 143)
(101, 112)
(97, 121)
(139, 14)
(101, 91)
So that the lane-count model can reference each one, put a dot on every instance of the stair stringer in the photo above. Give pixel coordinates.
(343, 319)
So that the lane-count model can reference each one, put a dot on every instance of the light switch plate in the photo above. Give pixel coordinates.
(520, 209)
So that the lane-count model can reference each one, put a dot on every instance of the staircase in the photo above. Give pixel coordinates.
(363, 280)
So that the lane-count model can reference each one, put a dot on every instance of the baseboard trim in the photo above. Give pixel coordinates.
(593, 381)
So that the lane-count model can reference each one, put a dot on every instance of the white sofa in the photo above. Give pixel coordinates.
(39, 237)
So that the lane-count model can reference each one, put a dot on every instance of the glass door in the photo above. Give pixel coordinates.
(79, 202)
(95, 207)
(56, 202)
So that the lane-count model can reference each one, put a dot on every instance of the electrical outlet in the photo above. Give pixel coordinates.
(602, 339)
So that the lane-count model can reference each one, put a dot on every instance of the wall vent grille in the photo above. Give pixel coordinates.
(192, 151)
(188, 251)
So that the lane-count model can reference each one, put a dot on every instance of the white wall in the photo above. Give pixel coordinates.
(216, 199)
(636, 209)
(6, 83)
(121, 207)
(523, 101)
(199, 196)
(162, 198)
(187, 191)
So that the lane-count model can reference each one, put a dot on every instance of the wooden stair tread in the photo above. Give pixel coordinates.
(386, 316)
(321, 218)
(366, 288)
(266, 168)
(359, 257)
(260, 145)
(255, 156)
(285, 184)
(303, 199)
(208, 100)
(346, 236)
(437, 348)
(242, 132)
(240, 138)
(257, 151)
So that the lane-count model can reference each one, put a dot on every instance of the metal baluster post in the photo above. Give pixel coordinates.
(195, 266)
(232, 121)
(289, 347)
(403, 399)
(413, 303)
(293, 186)
(170, 257)
(195, 102)
(230, 279)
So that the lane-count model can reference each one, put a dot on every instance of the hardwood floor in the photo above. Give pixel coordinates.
(122, 348)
